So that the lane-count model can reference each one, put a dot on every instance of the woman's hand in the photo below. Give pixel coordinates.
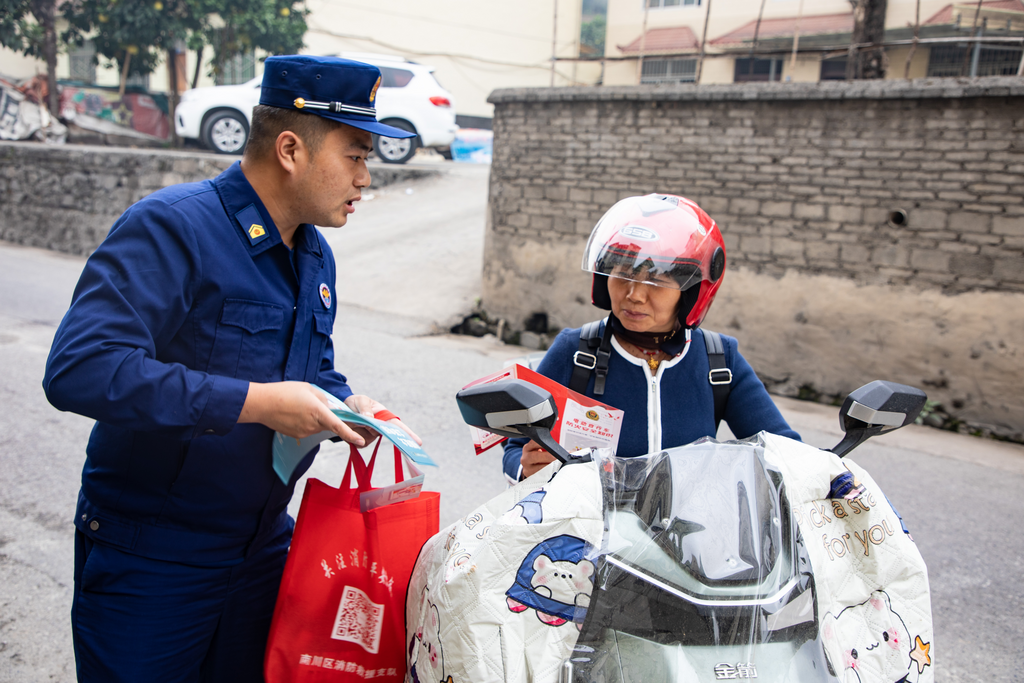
(534, 459)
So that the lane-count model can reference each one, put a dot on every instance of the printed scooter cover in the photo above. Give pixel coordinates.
(730, 561)
(712, 561)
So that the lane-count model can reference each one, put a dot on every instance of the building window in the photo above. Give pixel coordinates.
(238, 69)
(658, 4)
(956, 61)
(833, 69)
(82, 63)
(760, 70)
(669, 71)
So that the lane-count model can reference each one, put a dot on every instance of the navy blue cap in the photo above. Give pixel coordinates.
(331, 87)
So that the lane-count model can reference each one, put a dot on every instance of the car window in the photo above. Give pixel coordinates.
(394, 78)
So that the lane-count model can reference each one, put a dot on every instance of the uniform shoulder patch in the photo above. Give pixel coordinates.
(252, 224)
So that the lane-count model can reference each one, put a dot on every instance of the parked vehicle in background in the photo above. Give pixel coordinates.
(409, 98)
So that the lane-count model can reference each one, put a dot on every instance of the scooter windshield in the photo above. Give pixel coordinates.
(702, 574)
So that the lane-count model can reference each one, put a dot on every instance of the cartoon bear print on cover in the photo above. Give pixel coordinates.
(527, 511)
(554, 579)
(870, 642)
(426, 644)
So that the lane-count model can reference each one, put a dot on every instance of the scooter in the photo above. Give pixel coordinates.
(763, 558)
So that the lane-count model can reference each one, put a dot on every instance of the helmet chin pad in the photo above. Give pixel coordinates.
(600, 297)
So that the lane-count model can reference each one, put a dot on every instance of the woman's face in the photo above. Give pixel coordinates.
(644, 307)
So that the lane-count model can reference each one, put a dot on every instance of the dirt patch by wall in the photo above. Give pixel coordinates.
(814, 333)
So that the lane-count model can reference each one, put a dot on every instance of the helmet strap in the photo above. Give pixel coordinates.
(687, 301)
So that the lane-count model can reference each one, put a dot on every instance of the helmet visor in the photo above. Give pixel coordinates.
(631, 262)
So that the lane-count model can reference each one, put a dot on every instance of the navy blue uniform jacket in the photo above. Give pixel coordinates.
(672, 409)
(190, 297)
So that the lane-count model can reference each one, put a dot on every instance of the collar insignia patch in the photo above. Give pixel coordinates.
(252, 224)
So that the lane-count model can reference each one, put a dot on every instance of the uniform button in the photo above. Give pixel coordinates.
(94, 525)
(83, 517)
(209, 431)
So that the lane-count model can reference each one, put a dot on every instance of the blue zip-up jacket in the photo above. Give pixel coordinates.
(672, 408)
(190, 297)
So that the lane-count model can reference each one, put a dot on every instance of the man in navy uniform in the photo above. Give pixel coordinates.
(195, 332)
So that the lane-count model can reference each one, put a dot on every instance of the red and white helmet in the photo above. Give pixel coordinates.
(662, 240)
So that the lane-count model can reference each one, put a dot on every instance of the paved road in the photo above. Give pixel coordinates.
(409, 261)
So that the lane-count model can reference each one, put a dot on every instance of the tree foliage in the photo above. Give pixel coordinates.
(141, 31)
(235, 27)
(19, 30)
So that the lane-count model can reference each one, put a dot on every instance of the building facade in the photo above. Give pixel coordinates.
(681, 41)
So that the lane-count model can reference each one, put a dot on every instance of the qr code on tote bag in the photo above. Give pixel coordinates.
(359, 620)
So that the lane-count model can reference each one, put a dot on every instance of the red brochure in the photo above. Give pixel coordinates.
(582, 421)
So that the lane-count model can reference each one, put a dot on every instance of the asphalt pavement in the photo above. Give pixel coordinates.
(409, 265)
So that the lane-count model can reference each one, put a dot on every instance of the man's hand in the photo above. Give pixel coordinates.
(364, 405)
(295, 409)
(534, 459)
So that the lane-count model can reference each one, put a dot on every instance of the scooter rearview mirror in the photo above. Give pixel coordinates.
(876, 408)
(512, 408)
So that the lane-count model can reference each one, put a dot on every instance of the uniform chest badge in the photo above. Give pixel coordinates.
(325, 294)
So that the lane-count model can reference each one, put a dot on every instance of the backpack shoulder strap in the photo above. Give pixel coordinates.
(720, 376)
(593, 357)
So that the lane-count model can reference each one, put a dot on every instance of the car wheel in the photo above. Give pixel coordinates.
(395, 150)
(226, 132)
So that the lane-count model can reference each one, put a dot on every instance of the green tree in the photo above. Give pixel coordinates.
(137, 33)
(133, 33)
(28, 26)
(235, 27)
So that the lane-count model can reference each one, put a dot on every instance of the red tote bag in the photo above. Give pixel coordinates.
(340, 613)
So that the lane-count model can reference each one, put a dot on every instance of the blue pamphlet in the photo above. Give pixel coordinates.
(289, 452)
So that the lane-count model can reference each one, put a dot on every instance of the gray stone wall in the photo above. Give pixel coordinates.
(905, 187)
(66, 197)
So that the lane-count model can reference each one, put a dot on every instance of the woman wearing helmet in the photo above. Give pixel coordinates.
(657, 263)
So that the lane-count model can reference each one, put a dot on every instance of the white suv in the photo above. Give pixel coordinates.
(409, 98)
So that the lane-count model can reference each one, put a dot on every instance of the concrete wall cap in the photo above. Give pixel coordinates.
(921, 88)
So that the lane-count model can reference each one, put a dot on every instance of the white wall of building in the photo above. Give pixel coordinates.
(475, 47)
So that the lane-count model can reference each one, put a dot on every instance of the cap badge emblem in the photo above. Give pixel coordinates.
(373, 93)
(325, 294)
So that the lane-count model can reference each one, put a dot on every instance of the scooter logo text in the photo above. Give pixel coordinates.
(725, 672)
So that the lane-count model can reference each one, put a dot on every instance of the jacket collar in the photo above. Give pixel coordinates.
(250, 219)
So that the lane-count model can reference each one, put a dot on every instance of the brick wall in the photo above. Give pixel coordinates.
(803, 179)
(799, 176)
